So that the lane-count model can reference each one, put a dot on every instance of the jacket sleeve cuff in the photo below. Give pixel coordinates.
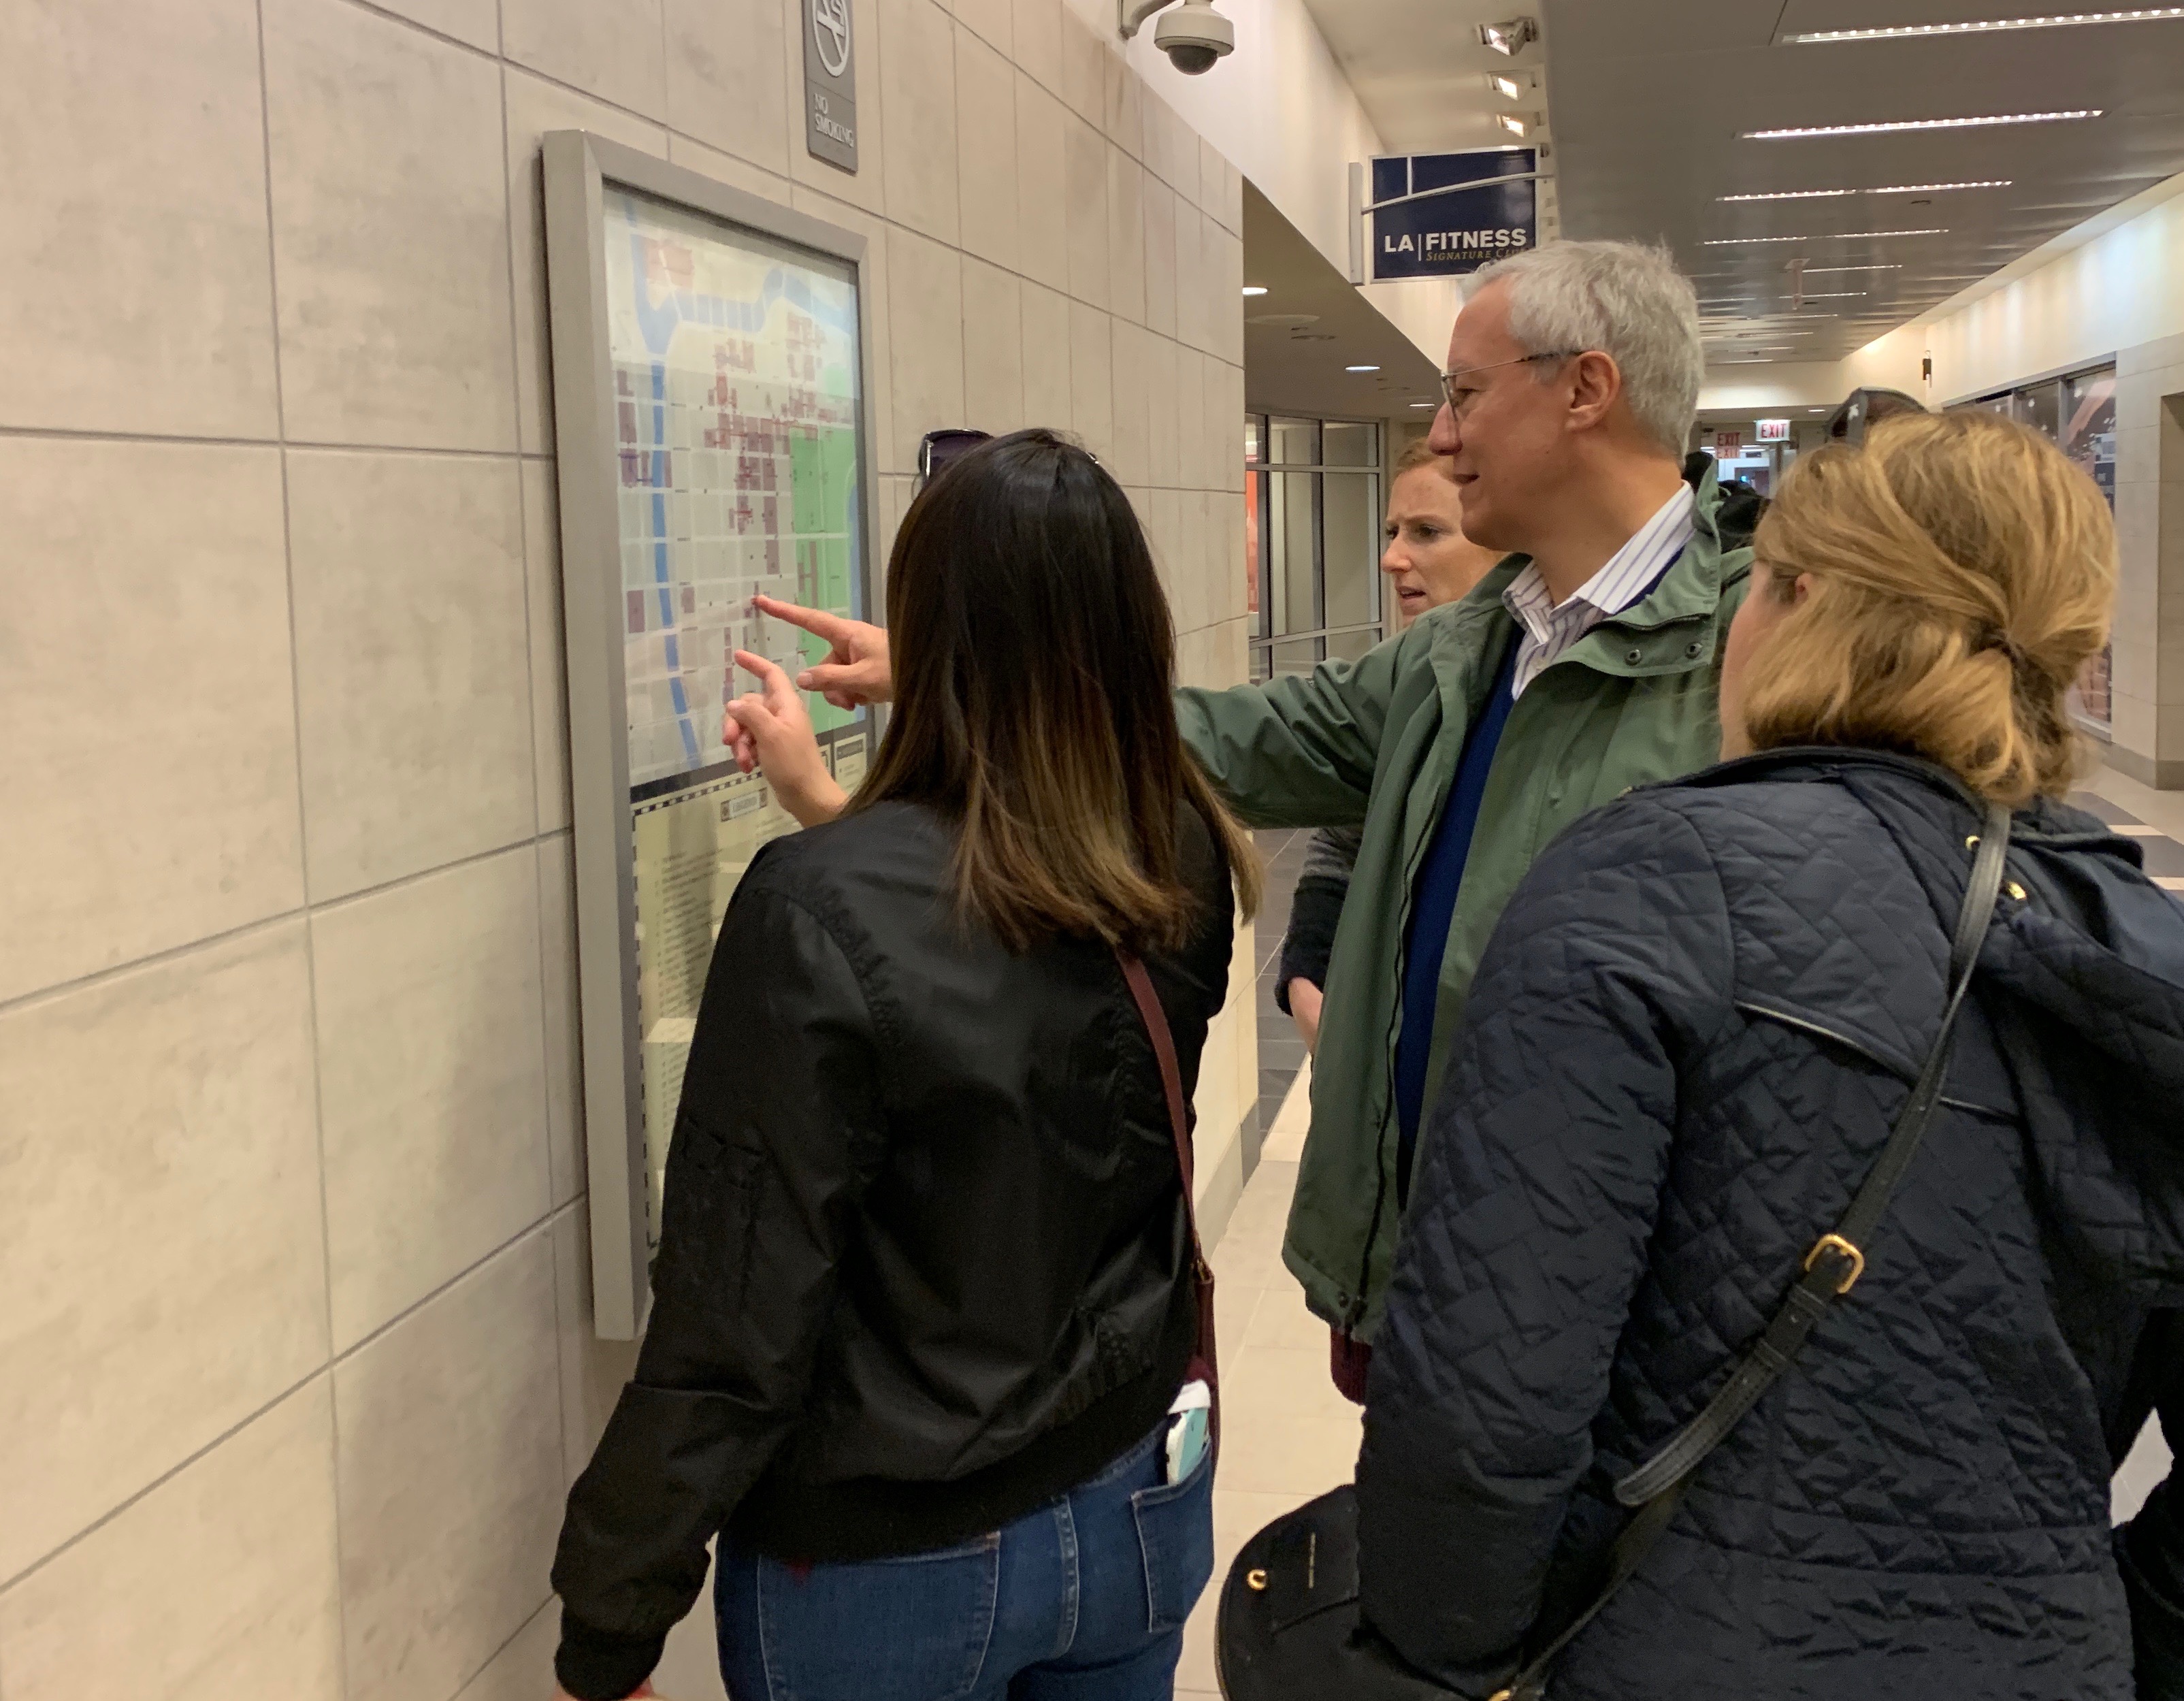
(599, 1666)
(1310, 940)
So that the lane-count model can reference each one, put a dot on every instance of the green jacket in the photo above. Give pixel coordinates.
(1377, 742)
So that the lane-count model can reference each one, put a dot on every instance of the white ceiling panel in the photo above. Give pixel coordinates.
(1649, 108)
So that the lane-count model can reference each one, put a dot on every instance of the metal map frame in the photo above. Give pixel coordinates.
(578, 167)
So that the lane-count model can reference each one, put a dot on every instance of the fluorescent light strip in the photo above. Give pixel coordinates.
(1838, 237)
(1835, 295)
(1836, 194)
(1816, 270)
(1987, 26)
(1897, 127)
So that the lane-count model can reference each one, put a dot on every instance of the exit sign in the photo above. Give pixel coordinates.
(1728, 442)
(1773, 430)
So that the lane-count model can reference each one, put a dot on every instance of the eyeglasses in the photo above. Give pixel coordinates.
(1461, 398)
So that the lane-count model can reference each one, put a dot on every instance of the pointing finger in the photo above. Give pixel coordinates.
(779, 693)
(816, 621)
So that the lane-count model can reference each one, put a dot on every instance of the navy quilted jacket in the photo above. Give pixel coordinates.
(1689, 1038)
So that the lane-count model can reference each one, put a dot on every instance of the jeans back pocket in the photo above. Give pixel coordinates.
(1175, 1533)
(914, 1626)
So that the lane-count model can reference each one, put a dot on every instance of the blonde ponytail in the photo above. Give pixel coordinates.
(1962, 572)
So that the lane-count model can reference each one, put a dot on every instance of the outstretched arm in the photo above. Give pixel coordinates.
(1298, 750)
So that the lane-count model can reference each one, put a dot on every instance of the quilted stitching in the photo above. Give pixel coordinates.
(1628, 1165)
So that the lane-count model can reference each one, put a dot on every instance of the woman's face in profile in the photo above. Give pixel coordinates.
(1763, 609)
(1428, 560)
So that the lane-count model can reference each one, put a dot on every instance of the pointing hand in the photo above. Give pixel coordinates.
(856, 670)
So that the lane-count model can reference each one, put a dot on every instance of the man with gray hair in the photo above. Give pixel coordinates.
(1587, 663)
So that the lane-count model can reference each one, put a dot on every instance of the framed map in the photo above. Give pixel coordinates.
(713, 433)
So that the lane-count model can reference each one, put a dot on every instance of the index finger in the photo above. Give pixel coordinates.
(776, 682)
(816, 621)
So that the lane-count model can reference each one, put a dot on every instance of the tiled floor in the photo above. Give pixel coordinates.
(1286, 1435)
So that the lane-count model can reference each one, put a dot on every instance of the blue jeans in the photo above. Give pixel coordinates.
(1082, 1600)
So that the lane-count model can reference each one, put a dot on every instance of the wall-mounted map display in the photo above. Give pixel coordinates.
(713, 425)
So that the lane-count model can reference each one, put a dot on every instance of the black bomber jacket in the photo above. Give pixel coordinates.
(924, 1254)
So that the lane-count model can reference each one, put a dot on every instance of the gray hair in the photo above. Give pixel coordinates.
(1624, 300)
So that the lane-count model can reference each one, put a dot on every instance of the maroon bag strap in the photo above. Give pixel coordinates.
(1205, 1362)
(1178, 1119)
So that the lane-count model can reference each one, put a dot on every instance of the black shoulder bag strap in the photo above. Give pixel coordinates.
(1835, 1262)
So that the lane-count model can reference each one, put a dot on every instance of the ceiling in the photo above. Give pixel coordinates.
(1420, 73)
(1650, 97)
(1297, 367)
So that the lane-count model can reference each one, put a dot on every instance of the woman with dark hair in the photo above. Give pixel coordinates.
(925, 1295)
(1735, 1273)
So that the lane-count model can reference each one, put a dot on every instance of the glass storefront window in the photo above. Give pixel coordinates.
(2078, 413)
(2040, 406)
(1295, 442)
(1346, 444)
(1311, 540)
(1350, 535)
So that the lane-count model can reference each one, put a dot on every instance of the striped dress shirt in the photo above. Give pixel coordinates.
(1629, 573)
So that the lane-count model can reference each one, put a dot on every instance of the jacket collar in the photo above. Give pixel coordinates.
(1825, 762)
(1468, 637)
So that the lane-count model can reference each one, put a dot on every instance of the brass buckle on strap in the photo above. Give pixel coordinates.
(1838, 1243)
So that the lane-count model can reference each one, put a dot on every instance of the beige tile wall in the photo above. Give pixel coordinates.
(296, 1361)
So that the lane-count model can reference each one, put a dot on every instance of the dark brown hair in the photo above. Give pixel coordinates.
(1034, 664)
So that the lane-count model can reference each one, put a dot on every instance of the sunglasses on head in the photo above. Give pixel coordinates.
(936, 449)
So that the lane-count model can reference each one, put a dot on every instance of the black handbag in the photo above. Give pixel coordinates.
(1288, 1627)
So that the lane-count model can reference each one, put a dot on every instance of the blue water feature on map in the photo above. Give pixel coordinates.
(658, 320)
(660, 575)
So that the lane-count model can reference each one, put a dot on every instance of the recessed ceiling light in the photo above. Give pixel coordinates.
(1361, 369)
(1831, 236)
(1836, 194)
(1895, 126)
(1423, 404)
(2060, 20)
(1508, 38)
(1510, 122)
(1254, 289)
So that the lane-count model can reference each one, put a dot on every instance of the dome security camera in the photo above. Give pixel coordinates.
(1193, 35)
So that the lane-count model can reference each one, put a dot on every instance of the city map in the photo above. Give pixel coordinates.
(738, 418)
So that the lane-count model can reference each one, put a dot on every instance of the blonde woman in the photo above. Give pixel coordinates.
(1695, 1031)
(1428, 563)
